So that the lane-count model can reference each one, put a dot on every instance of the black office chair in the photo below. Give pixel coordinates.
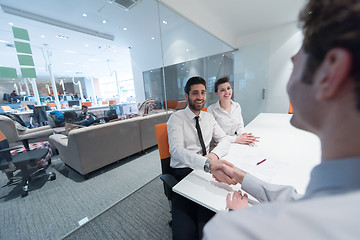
(110, 114)
(169, 180)
(39, 115)
(28, 162)
(71, 117)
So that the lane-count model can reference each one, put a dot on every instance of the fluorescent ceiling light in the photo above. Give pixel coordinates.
(54, 22)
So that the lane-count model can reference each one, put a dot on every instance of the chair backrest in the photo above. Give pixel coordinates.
(163, 145)
(39, 114)
(290, 108)
(4, 156)
(64, 105)
(86, 104)
(70, 116)
(6, 108)
(51, 104)
(111, 114)
(112, 102)
(104, 102)
(204, 109)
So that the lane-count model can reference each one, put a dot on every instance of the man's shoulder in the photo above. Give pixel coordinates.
(177, 116)
(296, 215)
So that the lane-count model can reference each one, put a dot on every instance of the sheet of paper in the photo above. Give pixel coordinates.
(247, 159)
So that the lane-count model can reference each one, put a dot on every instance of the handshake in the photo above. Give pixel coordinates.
(223, 171)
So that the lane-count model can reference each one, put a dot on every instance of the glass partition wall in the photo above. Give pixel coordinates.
(154, 53)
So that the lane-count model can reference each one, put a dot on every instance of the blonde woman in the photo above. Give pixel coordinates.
(228, 114)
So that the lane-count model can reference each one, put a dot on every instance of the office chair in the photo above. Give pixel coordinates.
(169, 181)
(110, 114)
(39, 115)
(290, 109)
(204, 109)
(29, 162)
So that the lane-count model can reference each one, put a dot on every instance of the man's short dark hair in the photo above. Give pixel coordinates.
(194, 81)
(331, 24)
(84, 106)
(221, 81)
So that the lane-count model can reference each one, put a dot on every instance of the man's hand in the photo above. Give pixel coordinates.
(238, 200)
(247, 138)
(231, 171)
(217, 170)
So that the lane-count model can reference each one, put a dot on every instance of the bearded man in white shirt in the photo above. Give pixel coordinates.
(190, 132)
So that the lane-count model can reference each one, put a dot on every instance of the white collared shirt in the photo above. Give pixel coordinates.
(184, 143)
(230, 123)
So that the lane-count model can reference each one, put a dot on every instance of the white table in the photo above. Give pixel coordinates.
(290, 155)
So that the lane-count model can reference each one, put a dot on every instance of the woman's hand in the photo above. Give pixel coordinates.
(247, 138)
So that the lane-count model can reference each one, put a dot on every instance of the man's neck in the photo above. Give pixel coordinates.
(196, 112)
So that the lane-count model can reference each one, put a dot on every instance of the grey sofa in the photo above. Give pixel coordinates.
(90, 148)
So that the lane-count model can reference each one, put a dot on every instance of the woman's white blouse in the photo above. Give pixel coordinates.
(233, 123)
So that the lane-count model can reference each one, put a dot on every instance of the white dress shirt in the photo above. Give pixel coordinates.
(328, 210)
(231, 123)
(184, 143)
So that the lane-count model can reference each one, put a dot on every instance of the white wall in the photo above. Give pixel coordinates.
(278, 46)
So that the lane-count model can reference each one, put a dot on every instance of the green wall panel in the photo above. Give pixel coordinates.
(6, 72)
(20, 33)
(22, 47)
(28, 72)
(25, 60)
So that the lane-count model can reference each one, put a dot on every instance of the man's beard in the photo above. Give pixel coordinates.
(193, 106)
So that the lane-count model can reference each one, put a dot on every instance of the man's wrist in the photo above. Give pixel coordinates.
(207, 165)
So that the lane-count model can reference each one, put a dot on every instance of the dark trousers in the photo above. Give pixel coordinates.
(188, 217)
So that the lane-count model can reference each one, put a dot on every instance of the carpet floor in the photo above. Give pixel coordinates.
(142, 215)
(54, 208)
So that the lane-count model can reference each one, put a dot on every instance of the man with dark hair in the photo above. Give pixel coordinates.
(87, 118)
(324, 92)
(190, 132)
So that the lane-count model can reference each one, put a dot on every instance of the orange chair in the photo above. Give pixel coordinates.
(112, 102)
(6, 108)
(64, 105)
(104, 102)
(51, 104)
(86, 104)
(168, 179)
(204, 109)
(174, 104)
(290, 109)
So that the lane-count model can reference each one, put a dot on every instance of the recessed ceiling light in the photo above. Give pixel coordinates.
(152, 38)
(69, 51)
(42, 36)
(92, 60)
(124, 28)
(86, 45)
(69, 63)
(187, 50)
(84, 15)
(62, 37)
(11, 24)
(104, 21)
(164, 22)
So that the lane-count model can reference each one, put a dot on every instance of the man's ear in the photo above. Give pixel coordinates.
(186, 96)
(334, 72)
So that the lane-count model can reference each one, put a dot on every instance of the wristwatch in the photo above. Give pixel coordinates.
(207, 165)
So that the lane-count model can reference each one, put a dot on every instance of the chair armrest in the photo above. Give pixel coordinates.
(9, 149)
(169, 180)
(25, 141)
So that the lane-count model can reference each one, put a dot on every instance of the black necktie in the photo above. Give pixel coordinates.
(198, 129)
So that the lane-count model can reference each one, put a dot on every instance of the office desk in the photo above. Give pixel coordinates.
(290, 155)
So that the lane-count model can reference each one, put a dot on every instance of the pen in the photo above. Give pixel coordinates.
(261, 162)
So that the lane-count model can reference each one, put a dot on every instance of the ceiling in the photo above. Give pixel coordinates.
(87, 55)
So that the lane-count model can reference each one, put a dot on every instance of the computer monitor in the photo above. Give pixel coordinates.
(73, 103)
